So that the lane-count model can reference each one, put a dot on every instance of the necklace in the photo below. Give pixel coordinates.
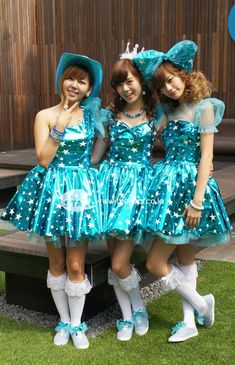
(136, 115)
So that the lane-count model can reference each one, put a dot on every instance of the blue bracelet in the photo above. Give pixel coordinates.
(57, 137)
(58, 132)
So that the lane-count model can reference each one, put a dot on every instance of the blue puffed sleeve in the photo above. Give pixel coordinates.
(94, 107)
(159, 114)
(106, 117)
(209, 114)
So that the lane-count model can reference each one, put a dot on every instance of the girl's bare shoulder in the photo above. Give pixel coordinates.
(47, 116)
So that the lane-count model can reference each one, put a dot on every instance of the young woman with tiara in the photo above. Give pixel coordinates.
(125, 177)
(187, 208)
(59, 199)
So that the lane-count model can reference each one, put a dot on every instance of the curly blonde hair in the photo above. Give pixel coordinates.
(197, 87)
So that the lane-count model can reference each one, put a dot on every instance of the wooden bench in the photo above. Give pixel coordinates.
(25, 264)
(224, 146)
(9, 180)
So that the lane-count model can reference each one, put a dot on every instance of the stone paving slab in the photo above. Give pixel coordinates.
(220, 252)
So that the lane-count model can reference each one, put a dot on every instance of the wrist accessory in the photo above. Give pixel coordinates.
(197, 207)
(56, 135)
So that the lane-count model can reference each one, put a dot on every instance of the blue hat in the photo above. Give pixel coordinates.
(95, 68)
(181, 55)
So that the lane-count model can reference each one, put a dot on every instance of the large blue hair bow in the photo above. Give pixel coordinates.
(181, 55)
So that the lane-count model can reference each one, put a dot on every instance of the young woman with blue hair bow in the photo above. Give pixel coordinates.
(187, 208)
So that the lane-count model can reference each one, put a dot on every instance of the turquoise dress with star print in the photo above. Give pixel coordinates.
(125, 178)
(174, 180)
(64, 199)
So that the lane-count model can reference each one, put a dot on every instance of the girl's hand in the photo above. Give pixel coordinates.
(65, 116)
(192, 215)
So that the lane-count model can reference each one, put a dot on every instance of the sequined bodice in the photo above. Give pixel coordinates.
(131, 144)
(182, 141)
(76, 148)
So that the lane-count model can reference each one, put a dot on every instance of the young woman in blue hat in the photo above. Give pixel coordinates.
(187, 207)
(125, 178)
(59, 199)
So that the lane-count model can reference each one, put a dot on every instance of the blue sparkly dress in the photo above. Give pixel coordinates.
(125, 178)
(63, 199)
(174, 180)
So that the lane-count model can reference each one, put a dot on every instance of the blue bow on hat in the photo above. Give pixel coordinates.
(181, 55)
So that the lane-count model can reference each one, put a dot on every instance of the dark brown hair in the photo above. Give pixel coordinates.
(119, 75)
(197, 86)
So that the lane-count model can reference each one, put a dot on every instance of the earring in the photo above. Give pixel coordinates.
(143, 92)
(88, 94)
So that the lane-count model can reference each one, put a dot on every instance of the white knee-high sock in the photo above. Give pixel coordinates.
(177, 280)
(191, 274)
(57, 286)
(122, 296)
(76, 292)
(132, 287)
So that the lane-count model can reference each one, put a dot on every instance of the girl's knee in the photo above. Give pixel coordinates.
(156, 268)
(76, 267)
(57, 266)
(117, 266)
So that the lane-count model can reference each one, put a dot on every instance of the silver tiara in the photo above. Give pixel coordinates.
(127, 55)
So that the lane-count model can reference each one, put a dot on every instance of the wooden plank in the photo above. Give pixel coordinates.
(18, 159)
(35, 32)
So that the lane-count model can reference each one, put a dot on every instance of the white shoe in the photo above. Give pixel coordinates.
(79, 337)
(62, 334)
(141, 321)
(180, 332)
(209, 316)
(125, 330)
(207, 320)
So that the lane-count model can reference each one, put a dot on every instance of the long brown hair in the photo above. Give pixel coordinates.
(119, 75)
(197, 86)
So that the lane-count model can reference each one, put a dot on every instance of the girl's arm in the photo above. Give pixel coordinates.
(204, 169)
(45, 146)
(99, 150)
(193, 215)
(101, 144)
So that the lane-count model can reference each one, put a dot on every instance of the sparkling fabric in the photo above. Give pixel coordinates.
(63, 199)
(174, 180)
(181, 55)
(125, 178)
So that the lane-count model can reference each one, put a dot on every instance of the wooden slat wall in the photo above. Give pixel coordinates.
(35, 32)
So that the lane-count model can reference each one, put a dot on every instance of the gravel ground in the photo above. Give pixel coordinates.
(96, 324)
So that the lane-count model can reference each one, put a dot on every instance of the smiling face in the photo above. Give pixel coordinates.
(127, 82)
(174, 86)
(170, 82)
(130, 90)
(75, 83)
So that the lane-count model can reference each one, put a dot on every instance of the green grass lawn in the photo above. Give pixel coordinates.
(21, 343)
